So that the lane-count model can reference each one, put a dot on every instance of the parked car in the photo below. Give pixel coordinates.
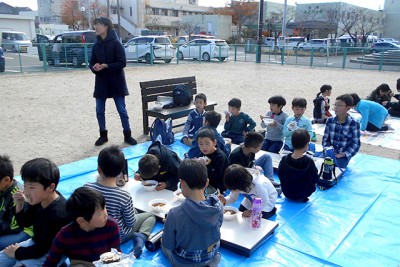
(389, 40)
(384, 46)
(14, 41)
(205, 49)
(41, 39)
(319, 45)
(140, 48)
(183, 39)
(72, 47)
(289, 43)
(2, 61)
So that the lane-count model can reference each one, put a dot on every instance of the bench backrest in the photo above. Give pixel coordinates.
(151, 89)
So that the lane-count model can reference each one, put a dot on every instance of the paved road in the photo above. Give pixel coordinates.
(31, 63)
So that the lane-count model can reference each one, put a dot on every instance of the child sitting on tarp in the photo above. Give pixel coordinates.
(322, 104)
(296, 171)
(195, 119)
(161, 164)
(381, 94)
(240, 181)
(211, 120)
(394, 107)
(237, 123)
(192, 234)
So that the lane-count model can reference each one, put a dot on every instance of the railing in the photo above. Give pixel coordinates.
(77, 56)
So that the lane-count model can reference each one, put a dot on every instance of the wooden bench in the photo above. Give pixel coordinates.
(150, 90)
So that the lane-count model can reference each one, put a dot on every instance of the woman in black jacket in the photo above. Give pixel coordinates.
(107, 62)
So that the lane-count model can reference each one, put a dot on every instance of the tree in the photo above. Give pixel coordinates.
(273, 23)
(97, 10)
(359, 23)
(188, 27)
(243, 13)
(70, 14)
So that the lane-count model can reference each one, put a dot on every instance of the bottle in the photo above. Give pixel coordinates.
(154, 241)
(256, 213)
(327, 168)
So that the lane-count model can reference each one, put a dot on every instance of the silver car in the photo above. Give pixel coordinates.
(140, 48)
(205, 49)
(319, 45)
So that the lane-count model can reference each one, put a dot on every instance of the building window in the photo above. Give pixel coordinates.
(175, 13)
(164, 12)
(156, 11)
(184, 13)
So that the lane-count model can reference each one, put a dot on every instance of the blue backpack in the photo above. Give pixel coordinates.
(162, 131)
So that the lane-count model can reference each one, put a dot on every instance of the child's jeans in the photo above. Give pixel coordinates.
(7, 261)
(236, 138)
(172, 259)
(265, 162)
(272, 146)
(7, 240)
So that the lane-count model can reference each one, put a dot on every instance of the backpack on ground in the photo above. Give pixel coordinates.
(182, 95)
(162, 131)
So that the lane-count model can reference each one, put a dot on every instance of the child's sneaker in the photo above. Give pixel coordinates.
(138, 240)
(314, 137)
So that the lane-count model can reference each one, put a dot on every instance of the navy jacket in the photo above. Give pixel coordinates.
(110, 82)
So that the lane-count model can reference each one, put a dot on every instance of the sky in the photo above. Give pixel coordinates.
(372, 4)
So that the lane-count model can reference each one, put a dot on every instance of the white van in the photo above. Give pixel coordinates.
(290, 43)
(15, 41)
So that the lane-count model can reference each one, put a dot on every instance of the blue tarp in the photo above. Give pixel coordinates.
(355, 223)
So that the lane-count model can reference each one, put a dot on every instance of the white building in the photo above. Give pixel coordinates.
(392, 19)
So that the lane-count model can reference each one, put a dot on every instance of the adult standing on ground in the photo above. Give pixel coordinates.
(107, 62)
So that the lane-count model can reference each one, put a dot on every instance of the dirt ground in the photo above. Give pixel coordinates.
(53, 114)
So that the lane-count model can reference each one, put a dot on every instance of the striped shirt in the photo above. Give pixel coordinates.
(119, 206)
(77, 244)
(345, 138)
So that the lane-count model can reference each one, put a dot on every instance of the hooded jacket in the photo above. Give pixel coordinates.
(192, 230)
(110, 82)
(8, 224)
(298, 177)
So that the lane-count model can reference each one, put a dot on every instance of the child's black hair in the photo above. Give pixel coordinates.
(356, 99)
(148, 165)
(324, 88)
(83, 203)
(384, 88)
(277, 99)
(42, 171)
(236, 177)
(206, 133)
(347, 99)
(299, 102)
(201, 96)
(300, 138)
(213, 118)
(253, 140)
(6, 167)
(111, 161)
(194, 173)
(235, 102)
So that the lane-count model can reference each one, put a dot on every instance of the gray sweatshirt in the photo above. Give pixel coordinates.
(274, 133)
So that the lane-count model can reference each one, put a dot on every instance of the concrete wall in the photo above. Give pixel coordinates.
(392, 19)
(19, 24)
(218, 25)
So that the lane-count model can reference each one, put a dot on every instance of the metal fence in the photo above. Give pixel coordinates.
(77, 56)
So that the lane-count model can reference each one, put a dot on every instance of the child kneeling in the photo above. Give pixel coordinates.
(240, 181)
(192, 231)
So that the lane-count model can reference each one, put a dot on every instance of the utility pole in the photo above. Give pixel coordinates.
(284, 21)
(119, 21)
(108, 8)
(89, 16)
(260, 29)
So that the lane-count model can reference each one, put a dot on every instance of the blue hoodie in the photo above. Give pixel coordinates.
(192, 230)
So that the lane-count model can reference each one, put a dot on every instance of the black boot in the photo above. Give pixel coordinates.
(102, 139)
(128, 138)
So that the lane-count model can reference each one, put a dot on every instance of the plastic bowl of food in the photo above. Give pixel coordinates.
(178, 193)
(268, 120)
(149, 185)
(158, 205)
(230, 213)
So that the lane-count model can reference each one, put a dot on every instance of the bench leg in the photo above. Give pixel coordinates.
(145, 125)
